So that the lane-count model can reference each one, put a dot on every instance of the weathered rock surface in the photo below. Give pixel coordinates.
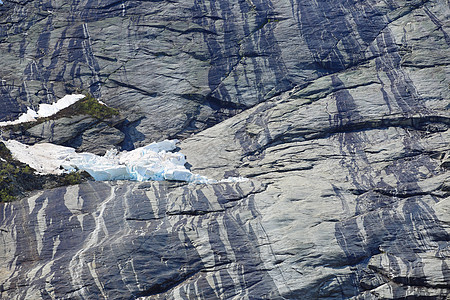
(86, 126)
(177, 67)
(338, 112)
(163, 236)
(82, 132)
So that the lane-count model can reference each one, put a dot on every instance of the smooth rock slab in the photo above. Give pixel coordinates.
(123, 240)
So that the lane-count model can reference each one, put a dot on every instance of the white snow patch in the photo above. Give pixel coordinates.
(234, 179)
(151, 162)
(45, 110)
(45, 158)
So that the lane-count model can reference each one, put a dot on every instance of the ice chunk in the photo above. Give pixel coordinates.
(151, 162)
(29, 116)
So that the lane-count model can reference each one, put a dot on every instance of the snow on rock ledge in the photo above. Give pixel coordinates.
(45, 110)
(151, 162)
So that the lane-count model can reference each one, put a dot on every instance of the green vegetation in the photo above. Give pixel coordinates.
(5, 154)
(90, 106)
(5, 195)
(13, 174)
(72, 178)
(18, 179)
(86, 106)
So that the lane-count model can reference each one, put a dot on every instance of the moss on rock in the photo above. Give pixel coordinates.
(86, 106)
(18, 179)
(90, 106)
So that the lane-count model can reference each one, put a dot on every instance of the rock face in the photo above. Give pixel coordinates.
(164, 236)
(337, 112)
(178, 67)
(86, 126)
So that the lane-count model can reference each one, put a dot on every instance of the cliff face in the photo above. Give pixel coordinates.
(337, 112)
(176, 67)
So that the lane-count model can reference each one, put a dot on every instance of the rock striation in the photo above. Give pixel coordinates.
(337, 112)
(179, 67)
(165, 235)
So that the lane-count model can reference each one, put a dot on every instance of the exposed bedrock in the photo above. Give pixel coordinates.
(177, 67)
(360, 214)
(337, 112)
(122, 241)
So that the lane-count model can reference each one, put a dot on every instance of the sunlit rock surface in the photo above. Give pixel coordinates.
(337, 111)
(178, 67)
(124, 240)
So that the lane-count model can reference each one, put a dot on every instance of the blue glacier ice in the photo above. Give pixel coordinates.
(152, 162)
(156, 161)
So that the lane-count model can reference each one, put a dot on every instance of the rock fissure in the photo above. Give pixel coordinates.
(415, 122)
(338, 109)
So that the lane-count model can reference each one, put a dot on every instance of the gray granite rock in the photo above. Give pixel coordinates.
(179, 67)
(337, 112)
(123, 241)
(82, 132)
(98, 139)
(61, 130)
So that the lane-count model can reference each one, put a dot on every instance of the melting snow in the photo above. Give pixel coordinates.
(151, 162)
(44, 158)
(45, 110)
